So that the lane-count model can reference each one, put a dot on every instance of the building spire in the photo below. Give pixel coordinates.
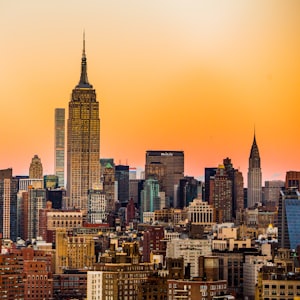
(83, 82)
(254, 159)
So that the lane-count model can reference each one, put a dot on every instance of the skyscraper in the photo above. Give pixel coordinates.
(59, 151)
(288, 218)
(8, 204)
(122, 177)
(292, 179)
(237, 180)
(221, 194)
(36, 168)
(254, 194)
(83, 140)
(167, 167)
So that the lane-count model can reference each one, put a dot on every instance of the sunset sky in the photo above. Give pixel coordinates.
(196, 76)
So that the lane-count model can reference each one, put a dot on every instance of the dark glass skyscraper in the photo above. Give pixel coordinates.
(83, 146)
(122, 177)
(288, 219)
(254, 193)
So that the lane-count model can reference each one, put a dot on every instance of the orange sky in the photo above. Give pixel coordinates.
(173, 75)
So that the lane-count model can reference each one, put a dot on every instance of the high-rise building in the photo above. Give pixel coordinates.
(188, 191)
(8, 205)
(221, 195)
(272, 192)
(97, 210)
(83, 140)
(108, 177)
(122, 177)
(36, 201)
(168, 168)
(51, 182)
(59, 151)
(237, 180)
(36, 168)
(208, 173)
(288, 219)
(150, 196)
(292, 179)
(135, 188)
(254, 192)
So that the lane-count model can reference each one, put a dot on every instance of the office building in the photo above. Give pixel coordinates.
(190, 250)
(59, 151)
(292, 179)
(50, 182)
(254, 192)
(168, 168)
(208, 173)
(237, 180)
(8, 205)
(83, 140)
(151, 197)
(73, 251)
(56, 197)
(97, 211)
(36, 201)
(135, 188)
(108, 177)
(272, 192)
(288, 219)
(36, 168)
(201, 213)
(122, 179)
(188, 191)
(221, 195)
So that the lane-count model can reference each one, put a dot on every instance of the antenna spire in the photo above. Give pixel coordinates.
(83, 82)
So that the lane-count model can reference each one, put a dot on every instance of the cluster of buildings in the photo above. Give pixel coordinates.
(110, 234)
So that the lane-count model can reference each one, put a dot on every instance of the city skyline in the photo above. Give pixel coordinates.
(194, 77)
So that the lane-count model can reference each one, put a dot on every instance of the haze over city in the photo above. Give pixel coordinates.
(196, 76)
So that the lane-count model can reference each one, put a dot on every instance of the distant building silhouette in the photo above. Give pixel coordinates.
(83, 135)
(59, 151)
(254, 192)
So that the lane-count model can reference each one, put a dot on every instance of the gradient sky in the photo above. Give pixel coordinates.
(196, 76)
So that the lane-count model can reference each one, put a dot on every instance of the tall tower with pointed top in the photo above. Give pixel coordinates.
(254, 192)
(83, 140)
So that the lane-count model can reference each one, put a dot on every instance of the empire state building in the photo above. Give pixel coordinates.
(83, 140)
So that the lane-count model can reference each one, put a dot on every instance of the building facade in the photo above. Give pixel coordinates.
(168, 168)
(288, 219)
(221, 195)
(36, 168)
(8, 204)
(83, 140)
(254, 192)
(122, 178)
(59, 151)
